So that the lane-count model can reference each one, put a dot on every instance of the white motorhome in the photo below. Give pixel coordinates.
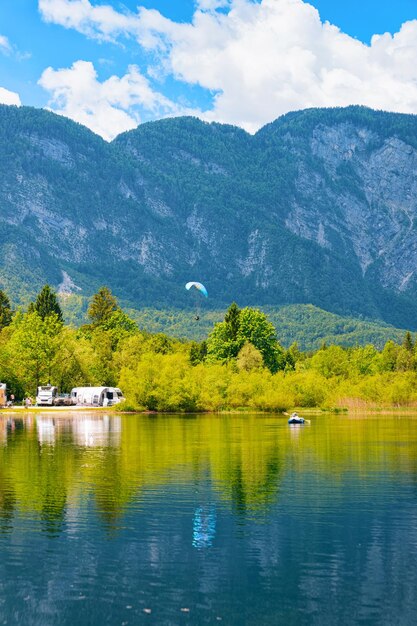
(96, 396)
(46, 395)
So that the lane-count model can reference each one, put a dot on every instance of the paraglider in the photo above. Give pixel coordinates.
(199, 289)
(198, 286)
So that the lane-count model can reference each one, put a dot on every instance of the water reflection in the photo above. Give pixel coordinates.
(204, 526)
(118, 459)
(46, 430)
(87, 431)
(97, 432)
(241, 518)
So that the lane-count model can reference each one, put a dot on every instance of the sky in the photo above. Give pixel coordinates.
(112, 65)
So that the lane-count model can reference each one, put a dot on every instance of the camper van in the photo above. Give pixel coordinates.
(3, 397)
(46, 395)
(96, 396)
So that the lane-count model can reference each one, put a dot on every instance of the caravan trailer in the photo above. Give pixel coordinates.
(96, 396)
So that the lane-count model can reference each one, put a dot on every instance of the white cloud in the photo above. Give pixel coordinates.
(103, 21)
(8, 49)
(107, 108)
(9, 97)
(5, 46)
(212, 5)
(262, 59)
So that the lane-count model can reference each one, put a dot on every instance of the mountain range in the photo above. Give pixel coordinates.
(318, 207)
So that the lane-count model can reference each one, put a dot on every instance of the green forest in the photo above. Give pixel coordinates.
(241, 364)
(306, 324)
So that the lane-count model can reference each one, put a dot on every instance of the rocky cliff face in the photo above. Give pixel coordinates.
(318, 207)
(374, 219)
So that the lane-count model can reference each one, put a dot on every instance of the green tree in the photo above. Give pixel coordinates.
(333, 361)
(74, 363)
(119, 326)
(5, 310)
(32, 348)
(240, 326)
(232, 321)
(389, 355)
(103, 369)
(249, 358)
(258, 330)
(224, 342)
(365, 360)
(408, 343)
(47, 304)
(102, 306)
(405, 359)
(198, 352)
(161, 344)
(292, 355)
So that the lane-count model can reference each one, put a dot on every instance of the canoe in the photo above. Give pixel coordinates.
(296, 420)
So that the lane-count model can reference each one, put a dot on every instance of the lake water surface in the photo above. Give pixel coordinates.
(234, 520)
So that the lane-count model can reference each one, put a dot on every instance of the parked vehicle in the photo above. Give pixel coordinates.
(63, 399)
(96, 396)
(46, 395)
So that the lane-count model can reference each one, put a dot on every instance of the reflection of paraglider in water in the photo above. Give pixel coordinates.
(198, 288)
(204, 526)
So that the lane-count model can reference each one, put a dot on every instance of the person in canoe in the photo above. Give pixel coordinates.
(296, 419)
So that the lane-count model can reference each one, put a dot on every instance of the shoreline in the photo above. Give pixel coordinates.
(304, 412)
(51, 409)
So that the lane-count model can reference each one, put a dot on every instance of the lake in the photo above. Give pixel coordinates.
(181, 520)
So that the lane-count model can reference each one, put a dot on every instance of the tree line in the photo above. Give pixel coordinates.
(240, 365)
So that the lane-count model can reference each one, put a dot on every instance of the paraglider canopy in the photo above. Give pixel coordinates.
(198, 286)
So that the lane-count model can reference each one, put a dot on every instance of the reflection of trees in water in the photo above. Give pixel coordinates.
(119, 460)
(45, 458)
(238, 490)
(53, 511)
(249, 469)
(113, 490)
(37, 475)
(7, 505)
(257, 496)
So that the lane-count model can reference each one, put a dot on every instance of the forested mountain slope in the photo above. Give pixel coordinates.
(318, 207)
(305, 324)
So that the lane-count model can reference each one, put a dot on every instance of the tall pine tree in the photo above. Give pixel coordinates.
(47, 303)
(232, 321)
(408, 342)
(5, 310)
(102, 306)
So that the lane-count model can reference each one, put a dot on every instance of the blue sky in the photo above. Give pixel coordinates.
(237, 61)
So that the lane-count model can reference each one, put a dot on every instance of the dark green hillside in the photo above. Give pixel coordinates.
(310, 327)
(307, 325)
